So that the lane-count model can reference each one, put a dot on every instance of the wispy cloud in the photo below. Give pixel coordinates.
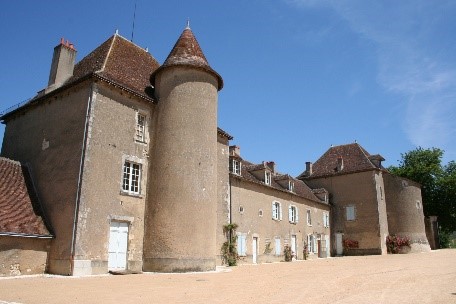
(403, 33)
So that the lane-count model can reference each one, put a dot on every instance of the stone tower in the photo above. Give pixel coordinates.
(180, 219)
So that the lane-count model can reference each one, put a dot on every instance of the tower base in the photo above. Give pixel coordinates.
(178, 265)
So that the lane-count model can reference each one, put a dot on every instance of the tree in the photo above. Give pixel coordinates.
(438, 183)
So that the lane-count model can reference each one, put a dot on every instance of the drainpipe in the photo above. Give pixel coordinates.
(81, 170)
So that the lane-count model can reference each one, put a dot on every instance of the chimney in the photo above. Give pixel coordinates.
(235, 151)
(340, 164)
(309, 166)
(62, 64)
(271, 166)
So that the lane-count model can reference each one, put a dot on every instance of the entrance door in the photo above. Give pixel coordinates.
(118, 240)
(293, 247)
(339, 245)
(254, 250)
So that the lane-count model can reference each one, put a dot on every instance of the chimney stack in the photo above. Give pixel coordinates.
(62, 64)
(271, 165)
(309, 166)
(235, 151)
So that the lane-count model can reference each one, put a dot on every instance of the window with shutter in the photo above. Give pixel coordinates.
(350, 213)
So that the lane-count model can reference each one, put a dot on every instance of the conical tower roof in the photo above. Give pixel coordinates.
(187, 52)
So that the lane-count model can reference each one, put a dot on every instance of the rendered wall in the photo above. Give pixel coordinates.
(111, 140)
(181, 215)
(255, 197)
(361, 191)
(22, 256)
(223, 193)
(49, 137)
(405, 211)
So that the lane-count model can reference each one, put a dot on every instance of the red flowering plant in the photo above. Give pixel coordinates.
(396, 244)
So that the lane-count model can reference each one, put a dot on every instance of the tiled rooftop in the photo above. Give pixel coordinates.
(355, 158)
(300, 188)
(187, 52)
(20, 211)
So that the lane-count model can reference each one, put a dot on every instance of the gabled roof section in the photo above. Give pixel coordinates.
(300, 188)
(20, 210)
(187, 52)
(120, 61)
(354, 157)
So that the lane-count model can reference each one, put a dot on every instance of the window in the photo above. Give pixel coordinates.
(309, 218)
(131, 177)
(351, 215)
(325, 219)
(267, 178)
(276, 211)
(236, 167)
(241, 209)
(260, 213)
(310, 243)
(292, 214)
(241, 244)
(140, 127)
(291, 186)
(277, 247)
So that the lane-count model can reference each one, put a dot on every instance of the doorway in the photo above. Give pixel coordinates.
(294, 251)
(118, 243)
(254, 250)
(339, 245)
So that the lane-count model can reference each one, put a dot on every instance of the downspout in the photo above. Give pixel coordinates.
(81, 171)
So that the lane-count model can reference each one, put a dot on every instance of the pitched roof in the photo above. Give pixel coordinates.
(355, 158)
(187, 52)
(20, 211)
(121, 61)
(300, 188)
(117, 61)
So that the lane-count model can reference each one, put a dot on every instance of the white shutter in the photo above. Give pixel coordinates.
(273, 209)
(297, 214)
(244, 245)
(290, 215)
(280, 211)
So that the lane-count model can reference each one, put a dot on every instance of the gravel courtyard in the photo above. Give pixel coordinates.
(413, 278)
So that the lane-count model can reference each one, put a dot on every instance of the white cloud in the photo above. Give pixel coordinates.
(402, 32)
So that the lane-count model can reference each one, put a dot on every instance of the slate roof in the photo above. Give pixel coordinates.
(187, 52)
(300, 188)
(20, 211)
(355, 159)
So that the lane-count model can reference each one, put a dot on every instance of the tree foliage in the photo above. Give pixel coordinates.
(438, 183)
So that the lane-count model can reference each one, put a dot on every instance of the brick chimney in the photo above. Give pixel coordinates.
(62, 64)
(271, 165)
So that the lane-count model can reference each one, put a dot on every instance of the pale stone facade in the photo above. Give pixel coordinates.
(134, 177)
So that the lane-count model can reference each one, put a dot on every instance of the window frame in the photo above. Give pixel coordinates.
(291, 186)
(326, 219)
(309, 217)
(293, 216)
(131, 183)
(241, 244)
(236, 166)
(267, 178)
(350, 216)
(276, 211)
(140, 129)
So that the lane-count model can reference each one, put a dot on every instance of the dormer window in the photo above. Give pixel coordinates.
(236, 167)
(291, 186)
(267, 178)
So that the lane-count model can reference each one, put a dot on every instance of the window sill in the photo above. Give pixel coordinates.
(131, 194)
(140, 142)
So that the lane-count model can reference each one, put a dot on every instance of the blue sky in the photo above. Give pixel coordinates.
(300, 75)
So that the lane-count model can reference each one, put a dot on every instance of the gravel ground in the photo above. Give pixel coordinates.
(411, 278)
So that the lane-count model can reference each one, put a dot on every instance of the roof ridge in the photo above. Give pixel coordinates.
(109, 53)
(366, 154)
(131, 42)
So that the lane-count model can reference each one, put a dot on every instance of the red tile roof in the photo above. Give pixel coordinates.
(187, 52)
(120, 61)
(20, 211)
(355, 159)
